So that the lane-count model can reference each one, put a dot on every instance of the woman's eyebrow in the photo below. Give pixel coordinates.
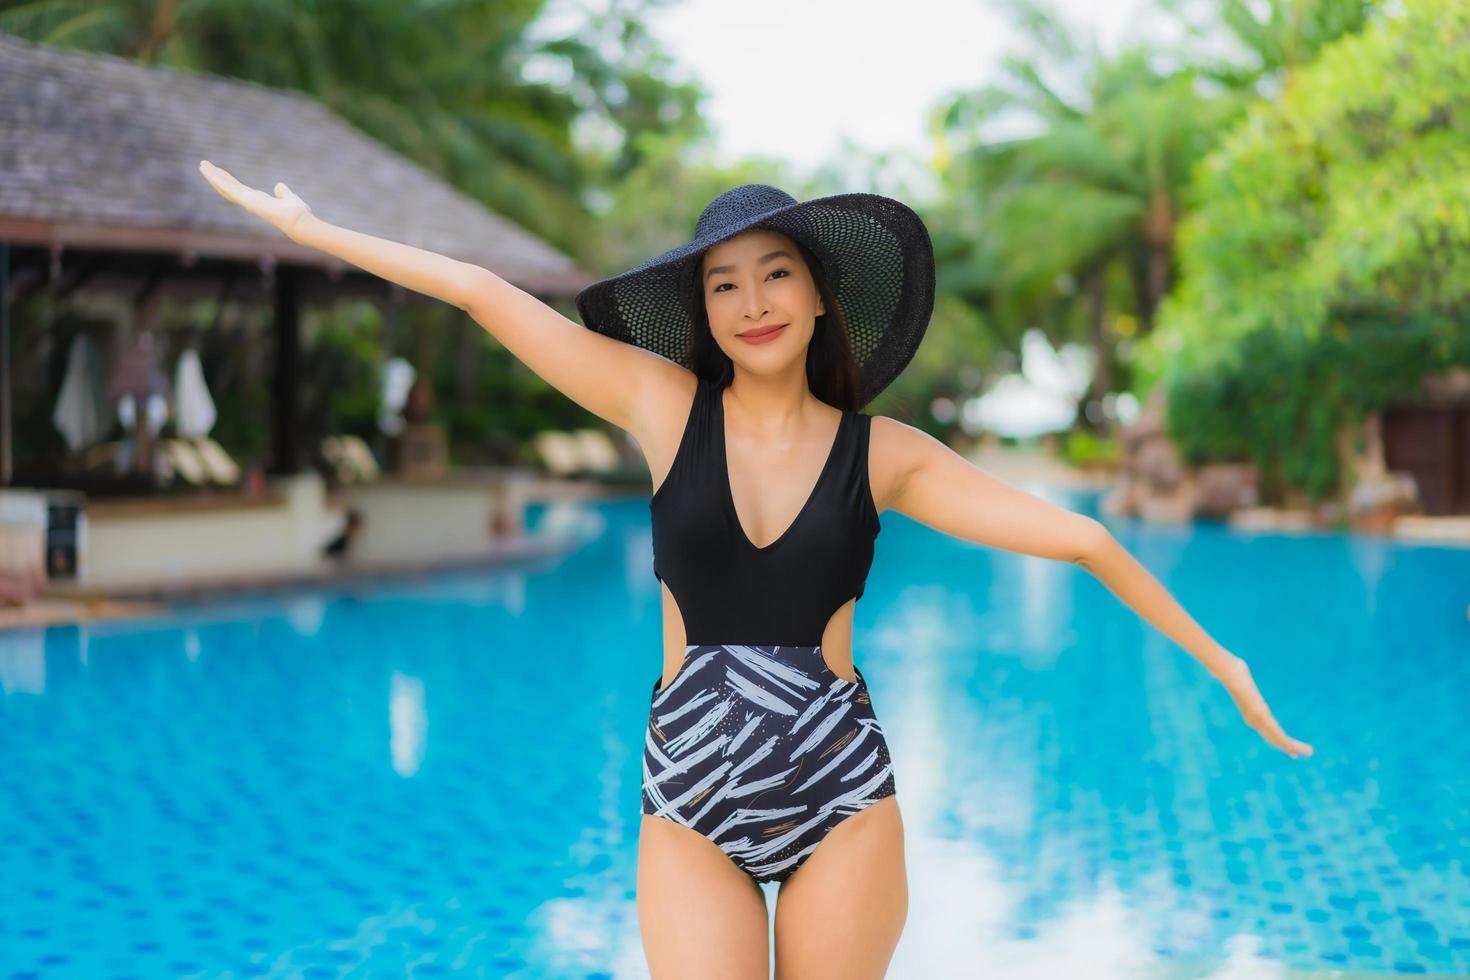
(764, 258)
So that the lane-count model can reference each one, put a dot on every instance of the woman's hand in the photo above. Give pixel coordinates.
(1236, 676)
(283, 210)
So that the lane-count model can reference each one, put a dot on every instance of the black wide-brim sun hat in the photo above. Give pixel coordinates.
(875, 250)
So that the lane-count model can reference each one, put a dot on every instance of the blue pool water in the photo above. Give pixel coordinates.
(442, 776)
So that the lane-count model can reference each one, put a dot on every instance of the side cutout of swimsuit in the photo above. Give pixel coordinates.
(672, 611)
(848, 606)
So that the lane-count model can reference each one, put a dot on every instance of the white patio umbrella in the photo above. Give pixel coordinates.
(194, 412)
(1065, 372)
(398, 377)
(1042, 398)
(1016, 408)
(81, 413)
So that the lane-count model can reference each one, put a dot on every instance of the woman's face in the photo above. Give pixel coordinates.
(757, 280)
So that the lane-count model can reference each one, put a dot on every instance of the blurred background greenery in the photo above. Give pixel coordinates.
(1277, 235)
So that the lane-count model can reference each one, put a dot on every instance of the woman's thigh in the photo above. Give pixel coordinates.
(840, 914)
(699, 914)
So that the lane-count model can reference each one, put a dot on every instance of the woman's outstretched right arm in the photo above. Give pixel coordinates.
(619, 382)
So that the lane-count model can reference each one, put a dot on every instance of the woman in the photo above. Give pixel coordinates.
(739, 361)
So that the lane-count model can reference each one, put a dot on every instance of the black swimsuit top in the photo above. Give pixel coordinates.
(730, 591)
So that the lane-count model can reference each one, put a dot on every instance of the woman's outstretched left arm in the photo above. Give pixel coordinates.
(919, 476)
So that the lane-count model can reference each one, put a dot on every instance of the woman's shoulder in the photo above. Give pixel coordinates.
(895, 449)
(892, 431)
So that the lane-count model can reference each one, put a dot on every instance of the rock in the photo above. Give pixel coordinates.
(1224, 487)
(1374, 504)
(1157, 464)
(1177, 506)
(1271, 519)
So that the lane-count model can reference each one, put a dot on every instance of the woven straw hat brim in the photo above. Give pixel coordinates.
(877, 254)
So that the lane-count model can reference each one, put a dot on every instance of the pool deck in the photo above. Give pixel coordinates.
(67, 603)
(1022, 467)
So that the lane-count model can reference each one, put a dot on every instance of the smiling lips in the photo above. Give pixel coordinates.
(761, 335)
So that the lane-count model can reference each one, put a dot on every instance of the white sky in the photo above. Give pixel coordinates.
(790, 78)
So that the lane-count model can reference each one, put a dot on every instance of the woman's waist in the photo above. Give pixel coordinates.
(791, 668)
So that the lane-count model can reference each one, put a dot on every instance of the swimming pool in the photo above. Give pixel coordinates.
(442, 776)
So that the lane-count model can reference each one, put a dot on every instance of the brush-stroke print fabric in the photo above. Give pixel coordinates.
(763, 750)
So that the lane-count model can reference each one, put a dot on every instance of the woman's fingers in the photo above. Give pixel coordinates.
(222, 181)
(218, 176)
(1242, 687)
(282, 208)
(1274, 734)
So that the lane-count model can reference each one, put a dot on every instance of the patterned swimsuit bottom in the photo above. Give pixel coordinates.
(763, 750)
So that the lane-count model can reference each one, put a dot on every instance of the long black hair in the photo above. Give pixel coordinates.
(832, 370)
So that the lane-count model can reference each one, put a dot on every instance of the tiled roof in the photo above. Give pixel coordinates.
(93, 146)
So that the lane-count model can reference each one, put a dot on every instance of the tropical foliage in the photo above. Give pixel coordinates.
(1327, 220)
(1275, 228)
(1071, 226)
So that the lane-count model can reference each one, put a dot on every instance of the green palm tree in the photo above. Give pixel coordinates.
(1274, 37)
(1098, 185)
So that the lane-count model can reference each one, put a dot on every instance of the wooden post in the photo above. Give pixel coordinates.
(285, 458)
(5, 458)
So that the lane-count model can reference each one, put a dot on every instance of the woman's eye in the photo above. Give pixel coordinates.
(783, 272)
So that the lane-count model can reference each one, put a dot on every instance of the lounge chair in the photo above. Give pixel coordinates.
(357, 453)
(104, 457)
(599, 455)
(587, 453)
(560, 452)
(184, 462)
(217, 463)
(350, 458)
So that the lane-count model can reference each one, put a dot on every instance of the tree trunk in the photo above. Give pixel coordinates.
(1158, 232)
(1096, 287)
